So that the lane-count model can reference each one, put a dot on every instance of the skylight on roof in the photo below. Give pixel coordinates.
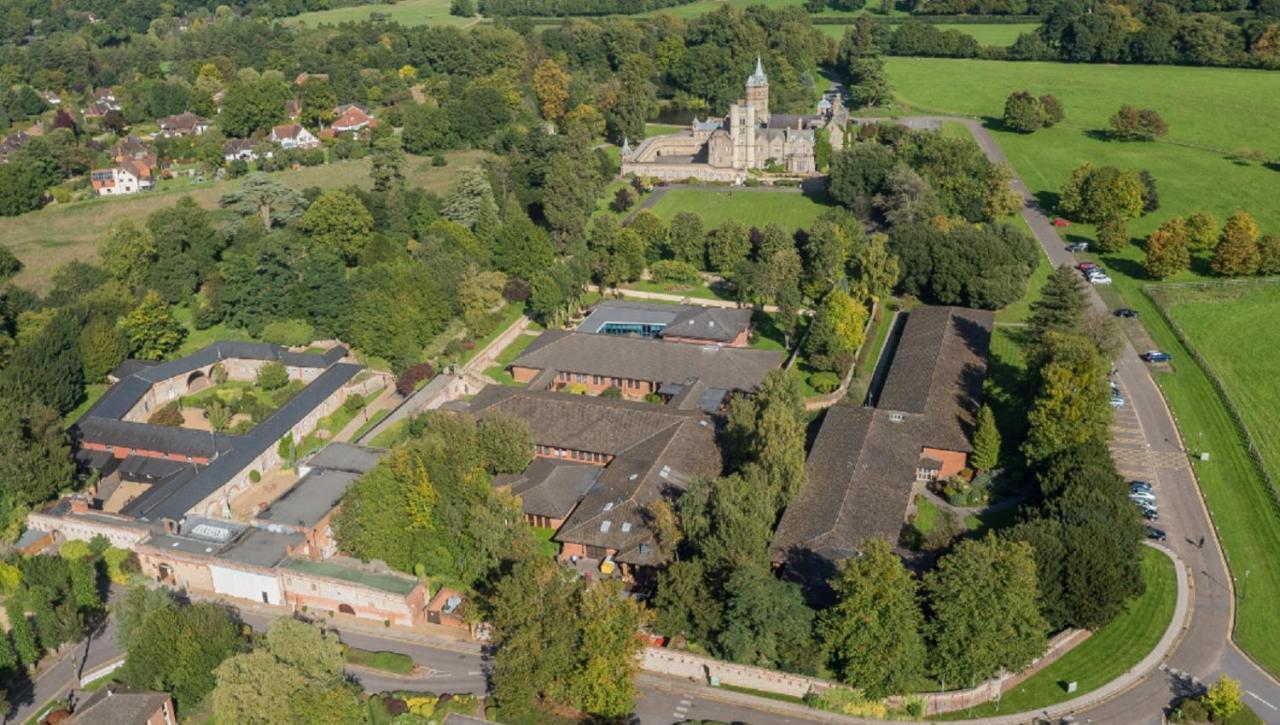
(608, 506)
(626, 526)
(605, 526)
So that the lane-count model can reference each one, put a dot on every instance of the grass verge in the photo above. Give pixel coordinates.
(400, 664)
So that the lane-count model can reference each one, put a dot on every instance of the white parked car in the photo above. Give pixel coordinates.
(1100, 279)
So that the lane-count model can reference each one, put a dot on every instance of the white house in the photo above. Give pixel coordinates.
(294, 136)
(129, 177)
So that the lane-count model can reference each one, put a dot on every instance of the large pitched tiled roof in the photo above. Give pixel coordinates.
(656, 449)
(861, 469)
(644, 359)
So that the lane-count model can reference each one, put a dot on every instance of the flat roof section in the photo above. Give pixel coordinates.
(401, 585)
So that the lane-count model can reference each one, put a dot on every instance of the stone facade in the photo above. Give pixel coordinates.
(729, 149)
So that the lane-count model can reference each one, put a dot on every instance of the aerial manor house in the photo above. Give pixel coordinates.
(748, 139)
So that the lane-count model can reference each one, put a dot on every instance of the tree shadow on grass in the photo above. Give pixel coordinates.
(1046, 201)
(1131, 268)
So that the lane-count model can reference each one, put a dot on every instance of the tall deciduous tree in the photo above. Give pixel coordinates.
(1202, 231)
(151, 329)
(1070, 406)
(766, 622)
(985, 615)
(177, 649)
(1168, 250)
(551, 85)
(873, 632)
(1237, 252)
(339, 221)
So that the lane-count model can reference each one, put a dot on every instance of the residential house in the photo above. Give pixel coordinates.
(183, 124)
(350, 118)
(694, 324)
(640, 452)
(51, 98)
(243, 149)
(867, 463)
(292, 109)
(294, 136)
(115, 704)
(127, 177)
(132, 148)
(701, 375)
(104, 101)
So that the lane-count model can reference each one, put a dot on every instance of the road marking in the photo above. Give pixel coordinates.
(473, 674)
(1254, 695)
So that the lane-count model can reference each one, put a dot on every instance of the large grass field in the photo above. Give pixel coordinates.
(1104, 656)
(58, 233)
(1002, 34)
(405, 12)
(1213, 113)
(754, 208)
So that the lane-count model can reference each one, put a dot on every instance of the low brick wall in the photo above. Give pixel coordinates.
(675, 663)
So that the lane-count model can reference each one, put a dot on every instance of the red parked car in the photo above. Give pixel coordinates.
(1086, 266)
(1060, 222)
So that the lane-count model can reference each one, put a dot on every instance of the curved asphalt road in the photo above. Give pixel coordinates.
(1147, 446)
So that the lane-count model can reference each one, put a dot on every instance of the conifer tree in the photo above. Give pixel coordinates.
(986, 441)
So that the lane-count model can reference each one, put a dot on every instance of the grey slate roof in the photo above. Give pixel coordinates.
(549, 488)
(709, 323)
(310, 499)
(644, 359)
(117, 705)
(172, 501)
(345, 457)
(628, 311)
(260, 548)
(147, 436)
(657, 450)
(861, 469)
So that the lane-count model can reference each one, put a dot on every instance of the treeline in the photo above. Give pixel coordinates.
(1044, 7)
(561, 8)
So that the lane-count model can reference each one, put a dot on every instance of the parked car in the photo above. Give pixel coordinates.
(1099, 279)
(1154, 356)
(1140, 486)
(1143, 497)
(1086, 266)
(1060, 222)
(1126, 313)
(1078, 247)
(1150, 513)
(1156, 534)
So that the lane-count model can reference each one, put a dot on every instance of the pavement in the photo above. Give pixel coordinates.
(1147, 446)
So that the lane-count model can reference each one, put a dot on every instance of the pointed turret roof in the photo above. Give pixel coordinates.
(758, 78)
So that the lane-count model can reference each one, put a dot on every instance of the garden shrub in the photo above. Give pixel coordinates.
(282, 396)
(169, 414)
(824, 382)
(412, 375)
(273, 376)
(353, 403)
(255, 476)
(74, 549)
(674, 270)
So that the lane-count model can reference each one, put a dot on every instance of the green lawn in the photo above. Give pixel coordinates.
(394, 435)
(684, 290)
(1101, 658)
(1243, 510)
(373, 420)
(92, 392)
(927, 515)
(1002, 34)
(498, 371)
(544, 544)
(753, 208)
(405, 12)
(400, 664)
(1019, 311)
(1196, 166)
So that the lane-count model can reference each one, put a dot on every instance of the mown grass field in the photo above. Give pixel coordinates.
(1213, 114)
(1002, 34)
(405, 12)
(58, 233)
(753, 208)
(1104, 656)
